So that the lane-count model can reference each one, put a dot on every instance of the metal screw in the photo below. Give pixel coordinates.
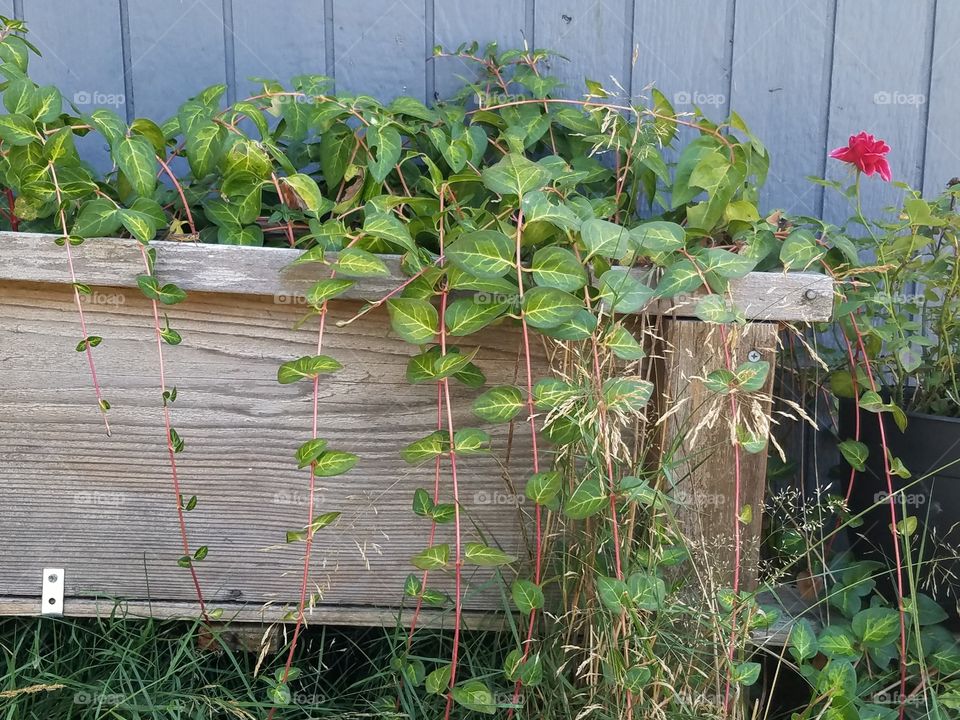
(753, 356)
(811, 294)
(52, 577)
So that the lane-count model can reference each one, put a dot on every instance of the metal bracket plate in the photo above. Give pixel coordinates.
(51, 602)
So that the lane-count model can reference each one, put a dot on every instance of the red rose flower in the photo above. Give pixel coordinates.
(867, 153)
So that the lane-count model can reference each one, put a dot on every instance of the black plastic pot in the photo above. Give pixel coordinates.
(930, 450)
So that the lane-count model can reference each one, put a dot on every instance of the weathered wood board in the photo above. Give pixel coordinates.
(103, 507)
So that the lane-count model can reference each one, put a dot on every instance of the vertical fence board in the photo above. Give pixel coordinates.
(703, 458)
(463, 21)
(771, 42)
(594, 37)
(176, 51)
(301, 51)
(942, 162)
(89, 74)
(688, 72)
(880, 68)
(380, 47)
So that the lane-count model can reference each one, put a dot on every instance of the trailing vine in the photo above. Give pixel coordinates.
(507, 205)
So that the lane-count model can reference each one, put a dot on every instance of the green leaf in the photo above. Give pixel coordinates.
(422, 503)
(97, 218)
(357, 263)
(470, 441)
(387, 226)
(327, 289)
(613, 594)
(426, 448)
(746, 673)
(515, 175)
(752, 376)
(587, 498)
(803, 641)
(387, 142)
(837, 680)
(527, 596)
(623, 344)
(168, 294)
(550, 393)
(250, 235)
(876, 626)
(545, 307)
(544, 487)
(308, 366)
(855, 453)
(334, 462)
(725, 263)
(499, 404)
(336, 146)
(310, 451)
(537, 208)
(622, 292)
(438, 681)
(204, 147)
(434, 557)
(647, 591)
(627, 394)
(135, 157)
(476, 696)
(414, 320)
(605, 238)
(715, 309)
(800, 250)
(141, 225)
(485, 556)
(680, 277)
(484, 253)
(658, 236)
(558, 268)
(836, 642)
(17, 130)
(468, 315)
(307, 191)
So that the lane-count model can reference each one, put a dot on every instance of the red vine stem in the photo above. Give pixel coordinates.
(12, 215)
(76, 298)
(183, 197)
(538, 508)
(171, 452)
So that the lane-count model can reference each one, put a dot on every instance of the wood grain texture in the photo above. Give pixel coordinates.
(115, 262)
(942, 159)
(177, 50)
(380, 47)
(702, 455)
(880, 69)
(463, 21)
(103, 507)
(301, 51)
(772, 41)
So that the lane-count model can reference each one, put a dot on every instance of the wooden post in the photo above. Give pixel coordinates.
(698, 449)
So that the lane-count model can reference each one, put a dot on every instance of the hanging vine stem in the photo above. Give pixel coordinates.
(531, 419)
(171, 449)
(102, 404)
(183, 197)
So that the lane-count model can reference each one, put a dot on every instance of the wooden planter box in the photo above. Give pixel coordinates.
(103, 508)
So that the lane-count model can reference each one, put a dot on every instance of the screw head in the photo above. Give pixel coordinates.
(52, 577)
(811, 294)
(754, 356)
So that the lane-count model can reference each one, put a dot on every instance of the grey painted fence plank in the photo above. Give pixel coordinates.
(880, 69)
(687, 72)
(942, 162)
(277, 41)
(380, 47)
(89, 74)
(463, 21)
(771, 42)
(176, 51)
(595, 38)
